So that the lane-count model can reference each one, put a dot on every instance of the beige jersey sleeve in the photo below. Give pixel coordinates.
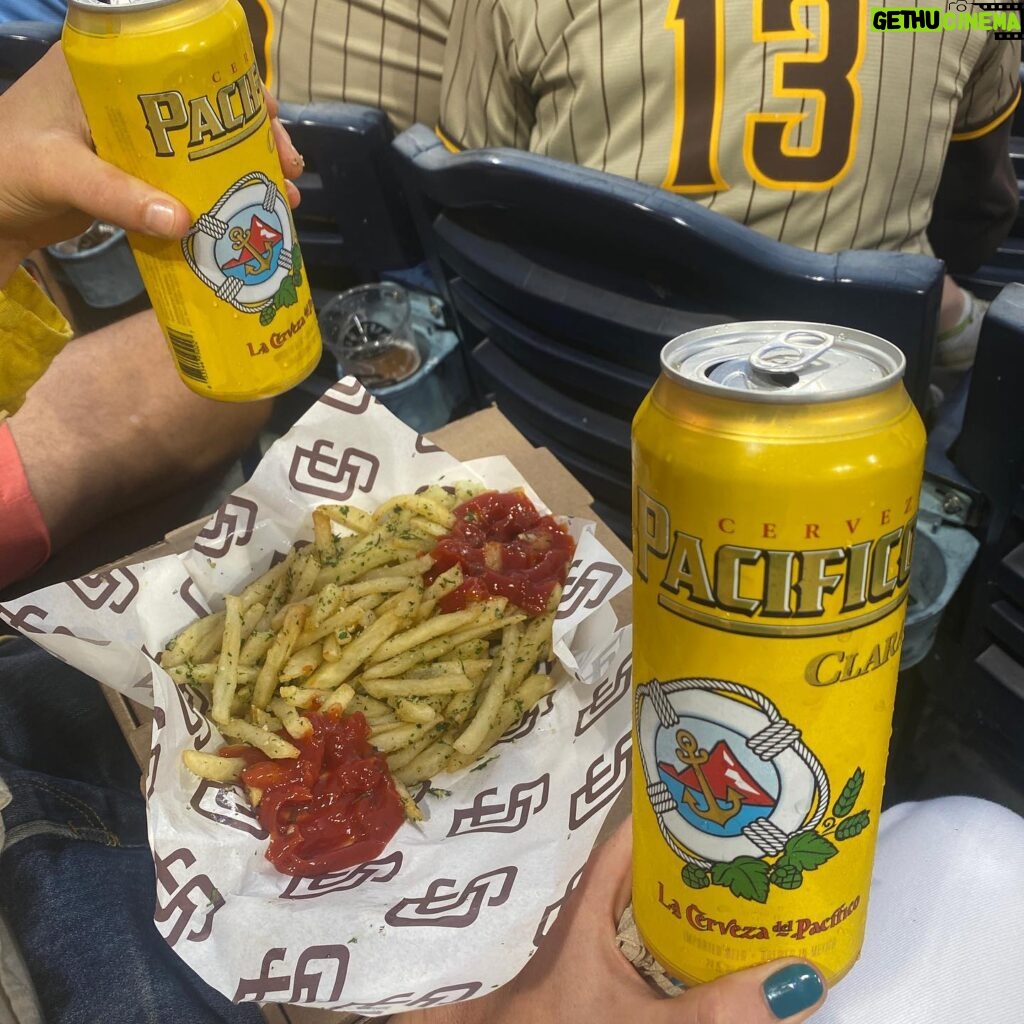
(795, 118)
(992, 91)
(381, 53)
(485, 97)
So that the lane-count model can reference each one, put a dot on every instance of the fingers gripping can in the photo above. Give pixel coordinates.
(172, 95)
(776, 470)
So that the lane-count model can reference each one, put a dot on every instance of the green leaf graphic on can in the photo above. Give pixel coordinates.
(746, 877)
(286, 294)
(853, 826)
(848, 797)
(808, 850)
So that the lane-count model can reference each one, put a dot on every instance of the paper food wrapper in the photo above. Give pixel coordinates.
(455, 906)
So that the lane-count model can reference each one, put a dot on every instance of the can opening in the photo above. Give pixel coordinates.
(737, 373)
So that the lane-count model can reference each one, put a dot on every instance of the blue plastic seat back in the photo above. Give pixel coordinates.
(566, 283)
(352, 216)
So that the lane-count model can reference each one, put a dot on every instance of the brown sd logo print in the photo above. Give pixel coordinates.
(191, 902)
(487, 813)
(588, 589)
(348, 396)
(381, 870)
(231, 524)
(605, 777)
(606, 695)
(225, 806)
(550, 915)
(318, 975)
(318, 470)
(115, 590)
(444, 905)
(409, 1000)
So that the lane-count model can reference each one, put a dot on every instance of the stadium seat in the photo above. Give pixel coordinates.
(566, 283)
(22, 43)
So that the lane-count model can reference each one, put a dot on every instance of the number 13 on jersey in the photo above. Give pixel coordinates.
(818, 77)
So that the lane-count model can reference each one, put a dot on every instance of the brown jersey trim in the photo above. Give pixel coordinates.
(976, 133)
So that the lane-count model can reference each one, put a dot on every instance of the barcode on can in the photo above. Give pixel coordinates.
(186, 353)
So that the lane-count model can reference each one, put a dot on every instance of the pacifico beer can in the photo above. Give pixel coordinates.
(172, 95)
(776, 469)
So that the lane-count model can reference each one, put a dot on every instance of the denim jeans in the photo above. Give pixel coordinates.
(77, 881)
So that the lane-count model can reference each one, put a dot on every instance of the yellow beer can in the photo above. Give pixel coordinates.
(172, 95)
(776, 470)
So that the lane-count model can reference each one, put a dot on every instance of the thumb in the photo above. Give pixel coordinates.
(784, 990)
(109, 194)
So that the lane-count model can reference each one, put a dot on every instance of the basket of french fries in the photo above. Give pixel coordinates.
(390, 715)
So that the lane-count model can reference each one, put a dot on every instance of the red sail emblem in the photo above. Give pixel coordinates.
(255, 247)
(716, 785)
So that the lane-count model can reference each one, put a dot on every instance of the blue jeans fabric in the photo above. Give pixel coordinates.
(76, 877)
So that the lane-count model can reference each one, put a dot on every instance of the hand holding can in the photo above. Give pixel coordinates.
(777, 468)
(233, 297)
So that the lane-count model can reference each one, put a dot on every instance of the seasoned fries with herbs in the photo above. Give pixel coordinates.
(430, 618)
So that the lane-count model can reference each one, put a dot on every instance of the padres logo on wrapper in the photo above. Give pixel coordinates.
(777, 469)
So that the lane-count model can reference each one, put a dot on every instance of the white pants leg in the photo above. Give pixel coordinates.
(945, 928)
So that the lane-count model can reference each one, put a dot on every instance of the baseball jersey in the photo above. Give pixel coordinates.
(382, 53)
(796, 119)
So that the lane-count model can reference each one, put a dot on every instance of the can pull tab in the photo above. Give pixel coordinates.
(789, 352)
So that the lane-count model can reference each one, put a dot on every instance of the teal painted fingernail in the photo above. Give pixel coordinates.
(792, 990)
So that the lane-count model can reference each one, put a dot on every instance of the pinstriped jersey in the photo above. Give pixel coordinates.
(382, 53)
(793, 118)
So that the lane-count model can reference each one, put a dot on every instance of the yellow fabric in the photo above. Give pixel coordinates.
(32, 332)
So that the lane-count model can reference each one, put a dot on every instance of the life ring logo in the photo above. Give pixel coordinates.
(244, 248)
(738, 796)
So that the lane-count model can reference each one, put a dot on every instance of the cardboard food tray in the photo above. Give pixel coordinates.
(481, 434)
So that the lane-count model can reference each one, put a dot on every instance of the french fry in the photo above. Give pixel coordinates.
(182, 647)
(213, 766)
(259, 591)
(384, 688)
(270, 743)
(267, 680)
(412, 811)
(494, 693)
(225, 679)
(475, 669)
(424, 631)
(330, 674)
(346, 625)
(416, 505)
(302, 662)
(352, 518)
(393, 736)
(425, 764)
(256, 645)
(339, 698)
(412, 566)
(449, 580)
(401, 757)
(416, 712)
(297, 726)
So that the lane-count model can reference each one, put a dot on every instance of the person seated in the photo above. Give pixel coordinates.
(109, 425)
(797, 120)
